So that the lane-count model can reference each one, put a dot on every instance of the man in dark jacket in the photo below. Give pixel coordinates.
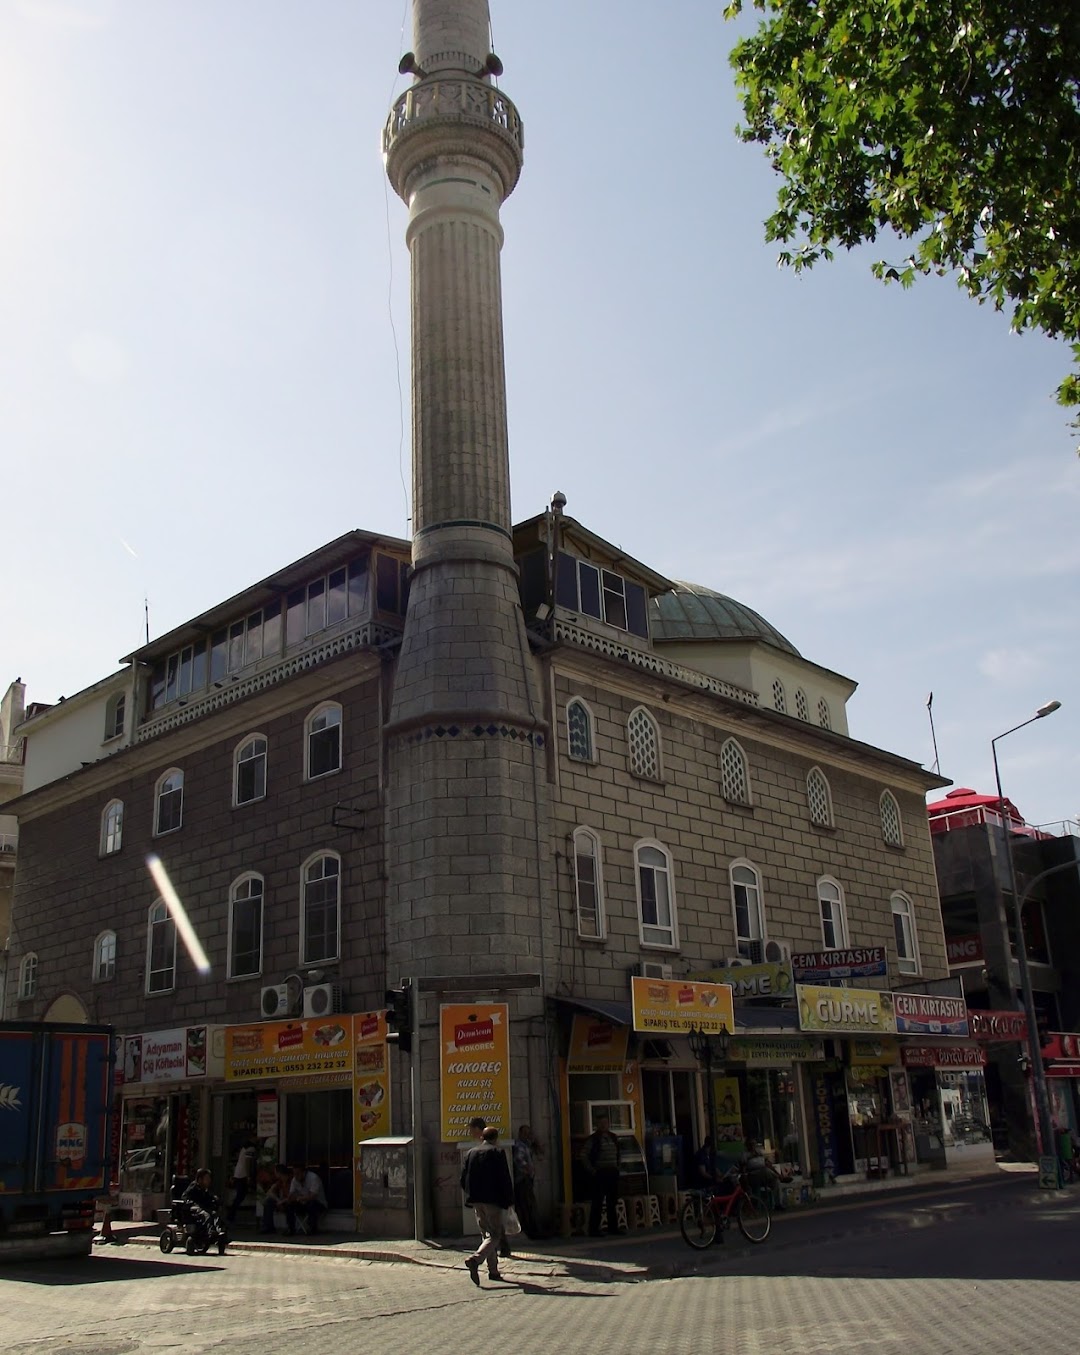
(601, 1161)
(488, 1187)
(201, 1201)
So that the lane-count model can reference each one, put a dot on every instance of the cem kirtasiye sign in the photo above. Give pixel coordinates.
(921, 1014)
(819, 966)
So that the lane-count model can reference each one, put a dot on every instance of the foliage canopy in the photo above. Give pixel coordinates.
(954, 123)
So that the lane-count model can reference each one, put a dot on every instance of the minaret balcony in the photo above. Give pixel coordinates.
(446, 107)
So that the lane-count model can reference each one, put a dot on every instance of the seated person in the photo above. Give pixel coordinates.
(276, 1194)
(200, 1200)
(761, 1177)
(306, 1195)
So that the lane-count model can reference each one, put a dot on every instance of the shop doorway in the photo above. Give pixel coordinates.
(669, 1097)
(318, 1135)
(926, 1118)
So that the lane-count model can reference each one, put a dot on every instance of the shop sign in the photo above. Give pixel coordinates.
(728, 1108)
(168, 1055)
(1005, 1025)
(921, 1014)
(963, 950)
(845, 1011)
(288, 1049)
(944, 1056)
(775, 1051)
(1061, 1054)
(884, 1052)
(474, 1067)
(867, 962)
(371, 1076)
(596, 1046)
(266, 1116)
(749, 981)
(825, 1126)
(678, 1006)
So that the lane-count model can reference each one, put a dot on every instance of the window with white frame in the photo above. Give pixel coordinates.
(749, 914)
(779, 696)
(160, 950)
(643, 737)
(169, 802)
(823, 717)
(112, 827)
(250, 778)
(656, 895)
(734, 776)
(907, 941)
(802, 708)
(320, 913)
(588, 885)
(245, 927)
(579, 730)
(892, 828)
(833, 919)
(114, 715)
(323, 741)
(105, 957)
(28, 968)
(819, 798)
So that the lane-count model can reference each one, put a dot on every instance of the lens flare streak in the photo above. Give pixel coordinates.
(178, 913)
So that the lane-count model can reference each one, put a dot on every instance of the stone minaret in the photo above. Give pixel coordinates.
(466, 824)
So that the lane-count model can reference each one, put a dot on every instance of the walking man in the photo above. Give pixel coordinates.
(242, 1174)
(485, 1179)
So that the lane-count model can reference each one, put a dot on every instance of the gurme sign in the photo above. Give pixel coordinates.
(845, 1011)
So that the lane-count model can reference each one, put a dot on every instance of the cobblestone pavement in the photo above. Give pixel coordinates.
(1003, 1282)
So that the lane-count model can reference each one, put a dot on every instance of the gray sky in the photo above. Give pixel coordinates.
(200, 264)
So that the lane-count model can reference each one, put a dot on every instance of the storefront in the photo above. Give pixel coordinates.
(1003, 1034)
(1061, 1062)
(949, 1098)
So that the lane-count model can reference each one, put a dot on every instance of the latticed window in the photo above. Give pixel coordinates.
(819, 799)
(892, 830)
(644, 739)
(802, 710)
(734, 780)
(823, 717)
(579, 731)
(588, 888)
(779, 697)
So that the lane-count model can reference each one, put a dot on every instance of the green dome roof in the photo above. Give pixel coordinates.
(690, 612)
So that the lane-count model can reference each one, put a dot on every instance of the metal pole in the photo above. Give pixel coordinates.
(710, 1090)
(419, 1199)
(1038, 1073)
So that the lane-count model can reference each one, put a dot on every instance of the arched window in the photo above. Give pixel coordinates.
(320, 912)
(112, 827)
(105, 957)
(245, 927)
(579, 730)
(819, 798)
(322, 742)
(748, 910)
(907, 941)
(823, 717)
(160, 950)
(734, 777)
(588, 884)
(249, 781)
(644, 739)
(656, 895)
(892, 827)
(802, 709)
(114, 715)
(27, 976)
(833, 917)
(779, 696)
(169, 802)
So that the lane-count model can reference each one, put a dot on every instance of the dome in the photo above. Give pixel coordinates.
(690, 612)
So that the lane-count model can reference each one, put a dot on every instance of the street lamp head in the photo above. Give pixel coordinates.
(1047, 709)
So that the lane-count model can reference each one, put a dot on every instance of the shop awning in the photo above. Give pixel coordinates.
(617, 1012)
(752, 1019)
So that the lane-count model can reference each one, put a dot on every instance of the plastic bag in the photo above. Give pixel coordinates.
(511, 1222)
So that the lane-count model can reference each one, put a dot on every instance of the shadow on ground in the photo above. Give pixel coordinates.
(98, 1269)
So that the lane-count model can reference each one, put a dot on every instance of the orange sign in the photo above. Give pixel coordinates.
(370, 1088)
(596, 1046)
(289, 1049)
(474, 1071)
(678, 1006)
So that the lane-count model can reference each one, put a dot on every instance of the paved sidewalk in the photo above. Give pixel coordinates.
(661, 1252)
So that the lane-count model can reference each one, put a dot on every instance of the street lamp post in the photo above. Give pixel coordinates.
(705, 1048)
(1038, 1073)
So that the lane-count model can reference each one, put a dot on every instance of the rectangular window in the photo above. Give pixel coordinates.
(907, 959)
(566, 589)
(219, 656)
(271, 643)
(295, 614)
(245, 940)
(253, 640)
(198, 667)
(161, 960)
(157, 686)
(636, 610)
(185, 671)
(236, 646)
(589, 589)
(614, 600)
(337, 599)
(387, 579)
(358, 588)
(172, 671)
(316, 606)
(832, 925)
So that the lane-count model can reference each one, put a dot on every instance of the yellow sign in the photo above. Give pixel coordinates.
(370, 1087)
(474, 1072)
(597, 1046)
(677, 1006)
(845, 1011)
(767, 979)
(289, 1049)
(728, 1110)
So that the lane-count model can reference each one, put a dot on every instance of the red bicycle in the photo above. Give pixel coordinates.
(708, 1212)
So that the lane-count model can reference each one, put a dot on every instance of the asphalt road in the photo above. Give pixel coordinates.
(1002, 1280)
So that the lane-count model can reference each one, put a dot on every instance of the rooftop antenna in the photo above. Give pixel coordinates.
(933, 734)
(146, 613)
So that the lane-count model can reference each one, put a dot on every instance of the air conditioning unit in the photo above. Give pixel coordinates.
(322, 999)
(733, 961)
(274, 1001)
(778, 952)
(653, 969)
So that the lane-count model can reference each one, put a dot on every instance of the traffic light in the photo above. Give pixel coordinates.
(399, 1017)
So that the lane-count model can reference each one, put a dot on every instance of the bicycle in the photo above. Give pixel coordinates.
(708, 1212)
